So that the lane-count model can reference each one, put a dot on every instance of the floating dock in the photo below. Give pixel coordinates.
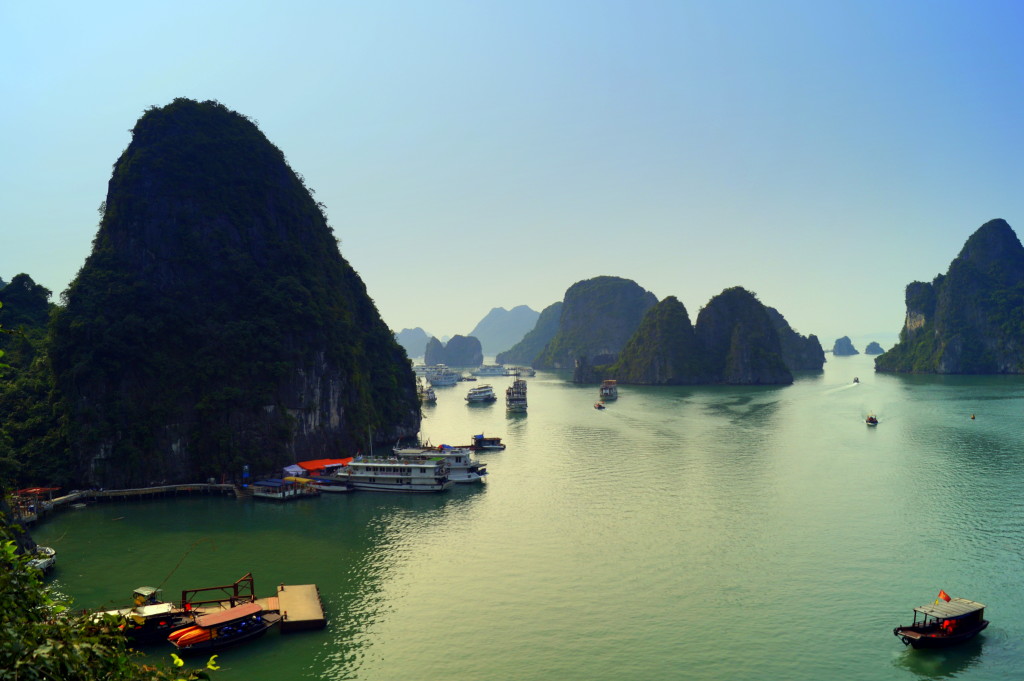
(300, 607)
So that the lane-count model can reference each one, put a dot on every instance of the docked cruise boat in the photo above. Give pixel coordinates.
(490, 370)
(395, 474)
(482, 443)
(481, 394)
(609, 389)
(461, 467)
(426, 394)
(521, 371)
(515, 396)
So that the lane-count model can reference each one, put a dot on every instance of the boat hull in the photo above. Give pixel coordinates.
(931, 639)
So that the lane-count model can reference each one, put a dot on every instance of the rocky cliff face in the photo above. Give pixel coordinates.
(501, 329)
(663, 351)
(801, 353)
(215, 324)
(967, 321)
(598, 316)
(533, 343)
(739, 341)
(460, 351)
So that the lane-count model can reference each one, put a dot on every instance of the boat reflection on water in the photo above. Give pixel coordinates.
(941, 663)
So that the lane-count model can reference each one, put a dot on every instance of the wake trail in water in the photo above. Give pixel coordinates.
(841, 388)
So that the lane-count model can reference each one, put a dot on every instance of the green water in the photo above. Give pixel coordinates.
(694, 533)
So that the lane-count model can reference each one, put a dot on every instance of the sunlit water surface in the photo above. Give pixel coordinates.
(713, 533)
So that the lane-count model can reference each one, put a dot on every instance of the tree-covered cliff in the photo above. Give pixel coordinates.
(971, 319)
(739, 342)
(662, 351)
(533, 343)
(598, 316)
(801, 353)
(215, 323)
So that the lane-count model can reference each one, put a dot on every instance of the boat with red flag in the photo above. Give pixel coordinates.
(946, 622)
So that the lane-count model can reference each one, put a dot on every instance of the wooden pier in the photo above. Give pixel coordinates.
(300, 607)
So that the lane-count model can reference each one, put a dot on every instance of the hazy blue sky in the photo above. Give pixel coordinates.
(481, 154)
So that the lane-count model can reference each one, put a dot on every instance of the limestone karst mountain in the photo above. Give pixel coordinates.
(215, 324)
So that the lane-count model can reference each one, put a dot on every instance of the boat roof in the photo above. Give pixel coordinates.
(957, 607)
(316, 464)
(235, 613)
(157, 609)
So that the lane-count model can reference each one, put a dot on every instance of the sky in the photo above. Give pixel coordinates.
(480, 154)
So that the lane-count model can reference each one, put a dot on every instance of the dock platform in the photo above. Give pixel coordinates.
(301, 608)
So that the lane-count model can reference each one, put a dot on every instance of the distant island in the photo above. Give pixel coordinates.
(737, 340)
(968, 320)
(460, 351)
(843, 347)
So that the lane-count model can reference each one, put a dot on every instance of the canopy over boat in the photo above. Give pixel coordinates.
(956, 607)
(236, 613)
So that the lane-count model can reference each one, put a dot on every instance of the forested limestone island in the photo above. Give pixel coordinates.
(969, 320)
(460, 351)
(737, 340)
(214, 325)
(598, 316)
(533, 343)
(873, 348)
(843, 347)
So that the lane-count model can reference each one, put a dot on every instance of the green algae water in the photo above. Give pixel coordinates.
(712, 533)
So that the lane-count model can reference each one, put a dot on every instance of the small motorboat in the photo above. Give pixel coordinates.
(946, 622)
(871, 420)
(44, 559)
(150, 620)
(856, 380)
(598, 405)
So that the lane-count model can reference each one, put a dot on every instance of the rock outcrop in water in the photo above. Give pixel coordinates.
(215, 324)
(533, 343)
(598, 316)
(873, 348)
(969, 320)
(460, 351)
(843, 347)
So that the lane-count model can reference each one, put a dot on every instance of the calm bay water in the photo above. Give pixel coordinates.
(700, 533)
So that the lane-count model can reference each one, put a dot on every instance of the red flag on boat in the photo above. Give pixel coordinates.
(943, 595)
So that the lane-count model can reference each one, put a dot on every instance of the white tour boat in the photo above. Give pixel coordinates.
(440, 376)
(461, 466)
(481, 393)
(490, 370)
(394, 474)
(521, 371)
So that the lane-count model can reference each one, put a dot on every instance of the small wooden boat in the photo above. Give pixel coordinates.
(871, 420)
(943, 623)
(484, 443)
(598, 405)
(219, 630)
(44, 559)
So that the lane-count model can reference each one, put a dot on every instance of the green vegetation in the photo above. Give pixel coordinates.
(43, 639)
(663, 351)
